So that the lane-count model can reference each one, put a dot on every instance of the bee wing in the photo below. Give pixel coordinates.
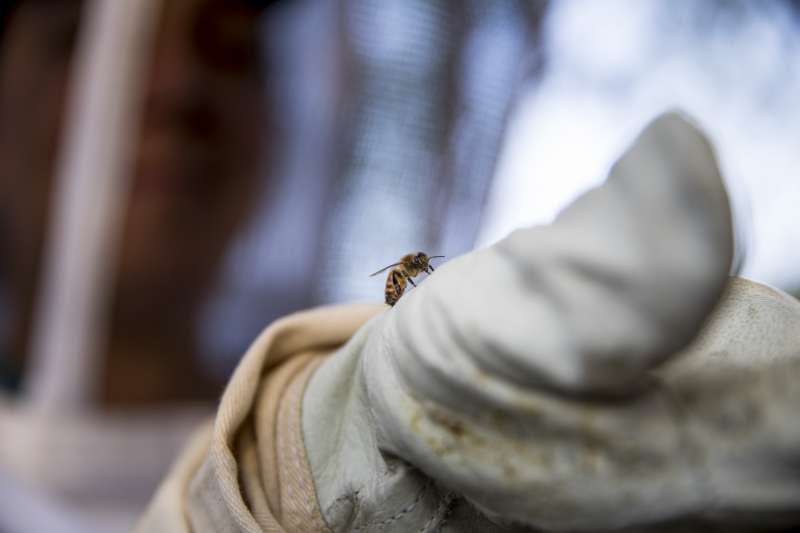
(383, 269)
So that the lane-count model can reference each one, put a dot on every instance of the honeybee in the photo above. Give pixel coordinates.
(410, 266)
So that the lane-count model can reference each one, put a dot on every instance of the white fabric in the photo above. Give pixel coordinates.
(539, 382)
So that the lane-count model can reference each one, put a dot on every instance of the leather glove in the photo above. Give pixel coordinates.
(551, 380)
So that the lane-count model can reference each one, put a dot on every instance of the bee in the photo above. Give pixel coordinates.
(410, 266)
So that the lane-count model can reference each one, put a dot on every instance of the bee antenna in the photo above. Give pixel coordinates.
(435, 256)
(383, 269)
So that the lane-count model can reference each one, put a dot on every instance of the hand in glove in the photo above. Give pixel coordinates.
(537, 383)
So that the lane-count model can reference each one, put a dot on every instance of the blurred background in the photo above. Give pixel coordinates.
(175, 174)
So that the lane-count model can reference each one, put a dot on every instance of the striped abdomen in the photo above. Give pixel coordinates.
(395, 286)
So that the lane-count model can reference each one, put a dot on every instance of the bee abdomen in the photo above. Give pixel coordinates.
(391, 296)
(395, 285)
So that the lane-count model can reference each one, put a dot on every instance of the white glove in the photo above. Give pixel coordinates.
(525, 385)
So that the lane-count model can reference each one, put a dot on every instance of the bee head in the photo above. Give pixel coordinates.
(420, 259)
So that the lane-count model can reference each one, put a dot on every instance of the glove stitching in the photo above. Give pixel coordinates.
(410, 507)
(441, 512)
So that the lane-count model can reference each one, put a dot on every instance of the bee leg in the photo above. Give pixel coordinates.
(411, 281)
(431, 267)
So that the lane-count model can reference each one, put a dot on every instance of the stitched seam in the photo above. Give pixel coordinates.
(447, 514)
(441, 512)
(410, 507)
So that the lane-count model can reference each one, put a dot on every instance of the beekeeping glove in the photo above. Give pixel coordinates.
(546, 381)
